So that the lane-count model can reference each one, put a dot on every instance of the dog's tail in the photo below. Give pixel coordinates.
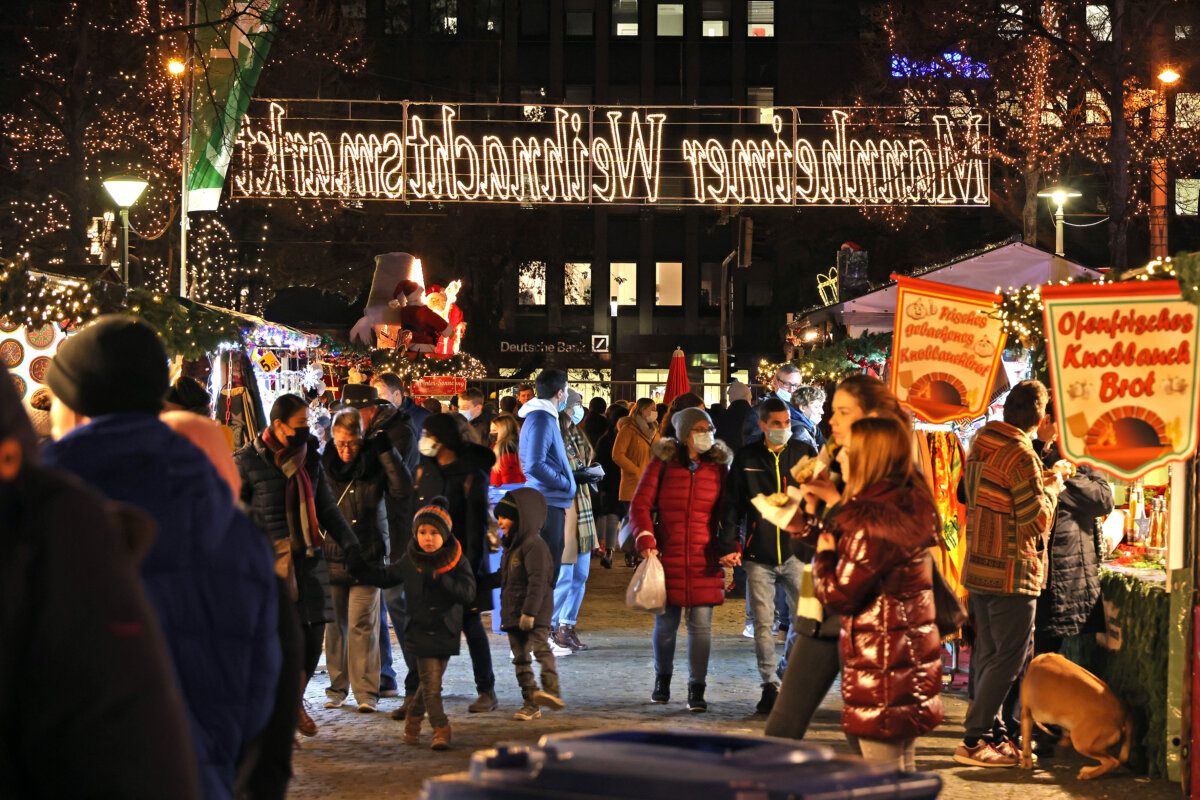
(1124, 757)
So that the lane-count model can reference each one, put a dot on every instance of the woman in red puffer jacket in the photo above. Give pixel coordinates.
(873, 568)
(684, 482)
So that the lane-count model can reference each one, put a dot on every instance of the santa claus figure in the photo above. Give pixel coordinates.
(442, 302)
(396, 312)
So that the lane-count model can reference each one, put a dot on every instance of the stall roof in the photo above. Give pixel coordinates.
(1006, 266)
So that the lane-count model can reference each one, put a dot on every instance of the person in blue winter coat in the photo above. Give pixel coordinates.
(209, 574)
(544, 457)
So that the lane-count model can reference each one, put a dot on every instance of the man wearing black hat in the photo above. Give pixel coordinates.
(209, 573)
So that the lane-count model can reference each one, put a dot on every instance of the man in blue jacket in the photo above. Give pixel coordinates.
(544, 456)
(210, 573)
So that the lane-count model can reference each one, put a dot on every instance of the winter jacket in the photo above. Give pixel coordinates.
(435, 594)
(806, 432)
(750, 428)
(1073, 586)
(397, 425)
(507, 470)
(209, 575)
(879, 578)
(416, 421)
(1009, 513)
(689, 504)
(608, 491)
(463, 482)
(631, 452)
(756, 470)
(482, 425)
(69, 586)
(732, 428)
(593, 426)
(526, 570)
(543, 454)
(362, 488)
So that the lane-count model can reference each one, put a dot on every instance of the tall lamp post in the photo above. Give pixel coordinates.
(1059, 195)
(125, 190)
(183, 71)
(1158, 167)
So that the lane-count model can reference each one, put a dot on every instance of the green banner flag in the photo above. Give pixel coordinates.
(232, 40)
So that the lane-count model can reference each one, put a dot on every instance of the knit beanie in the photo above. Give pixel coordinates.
(507, 508)
(190, 394)
(443, 428)
(739, 391)
(115, 364)
(437, 515)
(683, 421)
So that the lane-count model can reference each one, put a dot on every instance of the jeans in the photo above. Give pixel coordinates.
(481, 652)
(537, 643)
(552, 534)
(352, 643)
(762, 581)
(1003, 638)
(813, 665)
(699, 628)
(429, 698)
(393, 598)
(387, 673)
(899, 753)
(568, 591)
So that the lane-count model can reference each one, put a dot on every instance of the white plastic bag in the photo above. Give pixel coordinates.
(648, 589)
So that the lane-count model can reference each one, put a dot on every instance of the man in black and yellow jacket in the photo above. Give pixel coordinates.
(764, 467)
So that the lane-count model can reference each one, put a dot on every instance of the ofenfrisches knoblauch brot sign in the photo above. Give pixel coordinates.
(1124, 374)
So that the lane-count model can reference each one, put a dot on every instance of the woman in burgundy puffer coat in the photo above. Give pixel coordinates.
(873, 568)
(684, 482)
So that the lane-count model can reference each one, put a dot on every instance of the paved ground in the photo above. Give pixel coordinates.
(361, 756)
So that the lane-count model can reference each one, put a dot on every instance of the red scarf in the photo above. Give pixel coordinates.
(298, 500)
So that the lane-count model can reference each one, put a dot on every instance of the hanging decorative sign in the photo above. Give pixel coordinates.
(1124, 373)
(496, 153)
(945, 349)
(267, 361)
(438, 386)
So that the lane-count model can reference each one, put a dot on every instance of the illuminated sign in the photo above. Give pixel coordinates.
(429, 152)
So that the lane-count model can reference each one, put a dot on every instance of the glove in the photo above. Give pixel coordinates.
(590, 475)
(526, 622)
(354, 561)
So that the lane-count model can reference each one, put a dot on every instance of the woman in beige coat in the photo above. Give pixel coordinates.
(636, 434)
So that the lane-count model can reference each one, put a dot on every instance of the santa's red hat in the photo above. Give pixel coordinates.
(409, 289)
(435, 288)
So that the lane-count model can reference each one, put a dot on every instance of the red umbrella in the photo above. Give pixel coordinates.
(677, 380)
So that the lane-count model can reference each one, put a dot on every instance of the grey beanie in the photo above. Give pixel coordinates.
(739, 391)
(683, 421)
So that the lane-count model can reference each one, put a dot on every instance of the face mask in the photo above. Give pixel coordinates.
(427, 446)
(778, 436)
(466, 412)
(703, 442)
(562, 406)
(784, 395)
(299, 436)
(577, 414)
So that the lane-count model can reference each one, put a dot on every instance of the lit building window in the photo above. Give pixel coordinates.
(443, 16)
(1053, 111)
(625, 17)
(764, 98)
(577, 283)
(1183, 32)
(1187, 110)
(1012, 26)
(622, 283)
(712, 383)
(1099, 22)
(670, 19)
(531, 283)
(1095, 110)
(651, 383)
(1187, 197)
(760, 18)
(715, 17)
(668, 283)
(578, 18)
(591, 383)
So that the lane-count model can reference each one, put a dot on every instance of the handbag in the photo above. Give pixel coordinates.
(948, 612)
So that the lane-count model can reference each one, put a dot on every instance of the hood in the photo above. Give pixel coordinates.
(538, 404)
(896, 513)
(625, 422)
(531, 506)
(664, 450)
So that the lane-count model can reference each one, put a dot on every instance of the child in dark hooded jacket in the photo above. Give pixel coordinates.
(527, 597)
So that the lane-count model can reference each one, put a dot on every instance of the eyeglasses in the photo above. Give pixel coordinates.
(352, 444)
(791, 387)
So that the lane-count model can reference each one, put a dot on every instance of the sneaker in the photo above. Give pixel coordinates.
(560, 651)
(335, 702)
(770, 693)
(528, 711)
(748, 631)
(1010, 749)
(662, 689)
(696, 701)
(983, 755)
(366, 708)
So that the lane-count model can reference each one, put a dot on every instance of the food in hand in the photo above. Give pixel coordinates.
(1064, 468)
(804, 470)
(779, 499)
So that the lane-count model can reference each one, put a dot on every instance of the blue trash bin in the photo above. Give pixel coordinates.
(675, 765)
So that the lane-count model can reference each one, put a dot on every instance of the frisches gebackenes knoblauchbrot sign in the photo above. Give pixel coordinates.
(1124, 373)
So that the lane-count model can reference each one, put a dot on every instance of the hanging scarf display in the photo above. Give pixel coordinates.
(299, 498)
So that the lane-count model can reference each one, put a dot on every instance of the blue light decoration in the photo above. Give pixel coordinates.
(950, 65)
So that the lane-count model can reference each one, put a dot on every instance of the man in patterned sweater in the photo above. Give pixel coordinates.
(1010, 509)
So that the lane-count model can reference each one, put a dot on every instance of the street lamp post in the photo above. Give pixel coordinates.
(1059, 195)
(1158, 167)
(125, 190)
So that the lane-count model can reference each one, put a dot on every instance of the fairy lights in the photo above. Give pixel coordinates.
(613, 156)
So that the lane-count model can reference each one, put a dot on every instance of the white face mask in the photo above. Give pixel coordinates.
(428, 446)
(778, 436)
(703, 442)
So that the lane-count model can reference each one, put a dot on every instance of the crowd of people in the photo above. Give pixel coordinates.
(339, 517)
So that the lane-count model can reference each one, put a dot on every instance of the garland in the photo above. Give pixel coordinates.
(844, 355)
(35, 299)
(186, 328)
(411, 366)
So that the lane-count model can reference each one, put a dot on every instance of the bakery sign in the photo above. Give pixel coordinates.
(438, 386)
(946, 349)
(1124, 374)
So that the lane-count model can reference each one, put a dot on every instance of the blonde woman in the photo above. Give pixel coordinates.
(636, 434)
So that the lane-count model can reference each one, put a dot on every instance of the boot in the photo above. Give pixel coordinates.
(487, 701)
(606, 559)
(305, 724)
(770, 693)
(441, 738)
(530, 710)
(573, 638)
(560, 637)
(402, 712)
(662, 689)
(696, 697)
(412, 730)
(549, 695)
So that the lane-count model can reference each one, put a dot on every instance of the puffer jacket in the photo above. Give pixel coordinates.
(526, 570)
(689, 502)
(397, 425)
(362, 487)
(544, 455)
(879, 579)
(1073, 589)
(631, 452)
(463, 482)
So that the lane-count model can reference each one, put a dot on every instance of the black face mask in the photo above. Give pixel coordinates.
(299, 436)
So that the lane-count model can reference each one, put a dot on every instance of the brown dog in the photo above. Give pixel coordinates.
(1056, 691)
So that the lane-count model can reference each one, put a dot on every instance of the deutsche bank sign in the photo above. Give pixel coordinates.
(582, 155)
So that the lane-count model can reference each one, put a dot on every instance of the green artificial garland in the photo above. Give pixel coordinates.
(186, 328)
